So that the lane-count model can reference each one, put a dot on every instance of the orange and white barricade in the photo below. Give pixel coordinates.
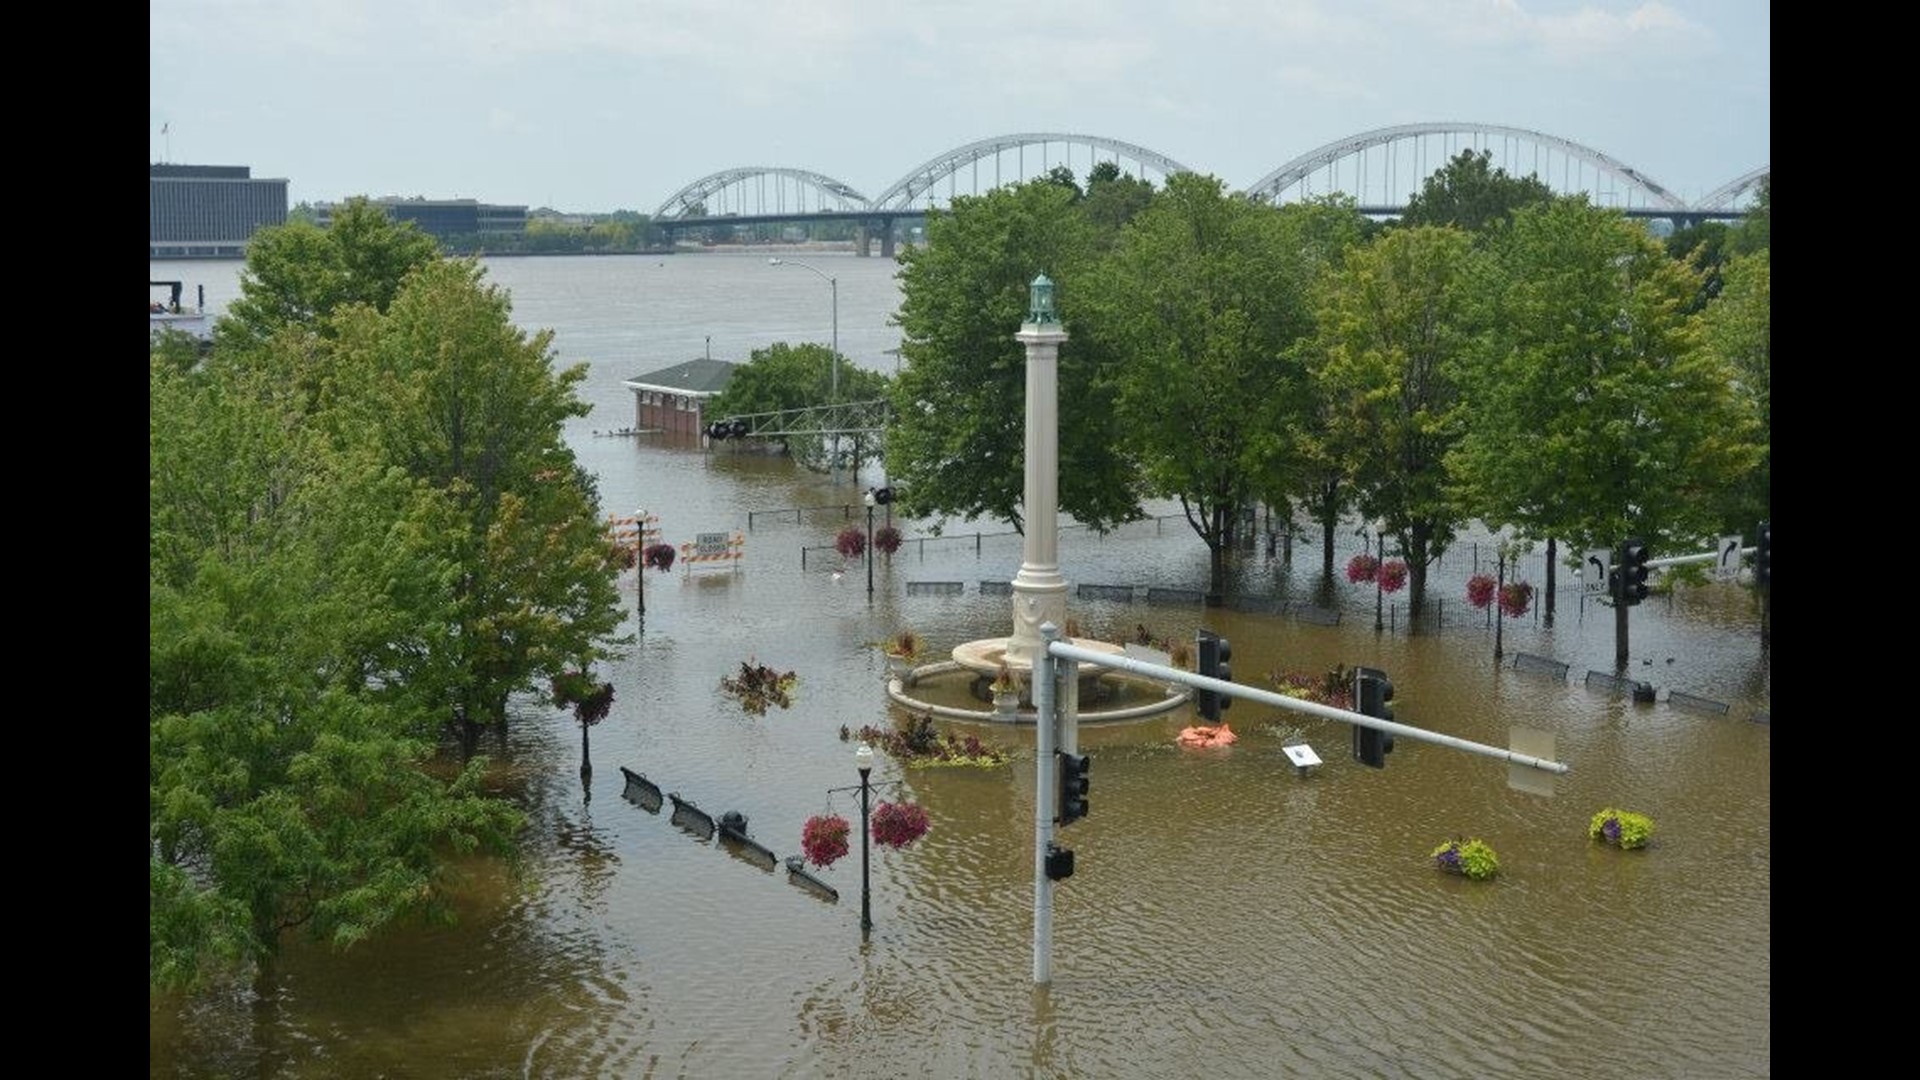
(633, 531)
(713, 550)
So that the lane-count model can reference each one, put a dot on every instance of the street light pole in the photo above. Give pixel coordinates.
(863, 760)
(869, 543)
(1379, 563)
(833, 378)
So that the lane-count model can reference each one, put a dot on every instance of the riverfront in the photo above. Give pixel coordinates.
(1228, 918)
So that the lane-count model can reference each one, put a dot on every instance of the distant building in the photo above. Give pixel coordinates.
(674, 399)
(443, 218)
(209, 211)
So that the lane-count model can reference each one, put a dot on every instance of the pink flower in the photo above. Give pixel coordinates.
(1361, 568)
(1392, 576)
(1480, 590)
(1515, 598)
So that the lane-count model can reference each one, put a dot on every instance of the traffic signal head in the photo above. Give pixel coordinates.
(1372, 696)
(1763, 555)
(1633, 571)
(1059, 862)
(1214, 651)
(1073, 787)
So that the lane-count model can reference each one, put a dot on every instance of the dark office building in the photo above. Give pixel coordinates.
(443, 218)
(209, 211)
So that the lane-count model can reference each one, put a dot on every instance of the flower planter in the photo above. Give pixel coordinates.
(1623, 829)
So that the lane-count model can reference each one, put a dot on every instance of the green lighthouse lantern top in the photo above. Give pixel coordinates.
(1040, 301)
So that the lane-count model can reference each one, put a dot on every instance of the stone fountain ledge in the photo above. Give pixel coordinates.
(897, 690)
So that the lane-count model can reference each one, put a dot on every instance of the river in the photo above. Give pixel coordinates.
(1228, 917)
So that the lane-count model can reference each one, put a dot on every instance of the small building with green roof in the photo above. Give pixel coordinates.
(672, 399)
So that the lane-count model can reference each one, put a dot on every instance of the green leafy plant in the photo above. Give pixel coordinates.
(1005, 682)
(1469, 858)
(758, 686)
(906, 645)
(1622, 828)
(916, 743)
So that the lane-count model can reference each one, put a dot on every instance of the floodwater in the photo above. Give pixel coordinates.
(1228, 917)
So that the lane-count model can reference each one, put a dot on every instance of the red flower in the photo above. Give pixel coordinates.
(887, 539)
(1392, 576)
(1514, 599)
(1361, 568)
(898, 824)
(851, 542)
(824, 838)
(660, 557)
(1480, 590)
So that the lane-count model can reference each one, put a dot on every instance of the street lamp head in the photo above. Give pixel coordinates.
(863, 759)
(1040, 301)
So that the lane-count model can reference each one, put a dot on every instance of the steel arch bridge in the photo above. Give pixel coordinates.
(826, 192)
(1378, 153)
(1378, 168)
(1731, 192)
(908, 190)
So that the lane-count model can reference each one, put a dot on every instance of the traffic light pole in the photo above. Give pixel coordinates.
(1046, 776)
(1063, 650)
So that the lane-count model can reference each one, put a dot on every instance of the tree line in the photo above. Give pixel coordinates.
(366, 535)
(1499, 354)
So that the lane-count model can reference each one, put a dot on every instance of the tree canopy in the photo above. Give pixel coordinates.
(956, 446)
(1470, 193)
(364, 529)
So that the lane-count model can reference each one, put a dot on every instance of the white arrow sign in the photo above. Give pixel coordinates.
(1593, 572)
(1727, 567)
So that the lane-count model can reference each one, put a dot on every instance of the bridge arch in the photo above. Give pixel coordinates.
(1731, 192)
(919, 182)
(1297, 172)
(802, 183)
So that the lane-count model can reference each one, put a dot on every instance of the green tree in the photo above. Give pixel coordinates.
(956, 443)
(1595, 412)
(1199, 305)
(287, 782)
(1394, 320)
(1739, 332)
(1756, 231)
(300, 273)
(1112, 199)
(783, 376)
(445, 387)
(1470, 193)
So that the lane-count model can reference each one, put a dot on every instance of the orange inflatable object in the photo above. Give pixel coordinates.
(1202, 736)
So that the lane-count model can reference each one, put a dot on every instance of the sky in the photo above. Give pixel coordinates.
(602, 105)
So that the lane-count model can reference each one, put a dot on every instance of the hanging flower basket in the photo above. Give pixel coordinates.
(1392, 575)
(1362, 568)
(1480, 590)
(824, 839)
(887, 540)
(1471, 859)
(659, 557)
(898, 824)
(1622, 828)
(1515, 598)
(851, 542)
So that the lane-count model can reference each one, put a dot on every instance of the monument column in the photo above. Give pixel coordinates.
(1039, 590)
